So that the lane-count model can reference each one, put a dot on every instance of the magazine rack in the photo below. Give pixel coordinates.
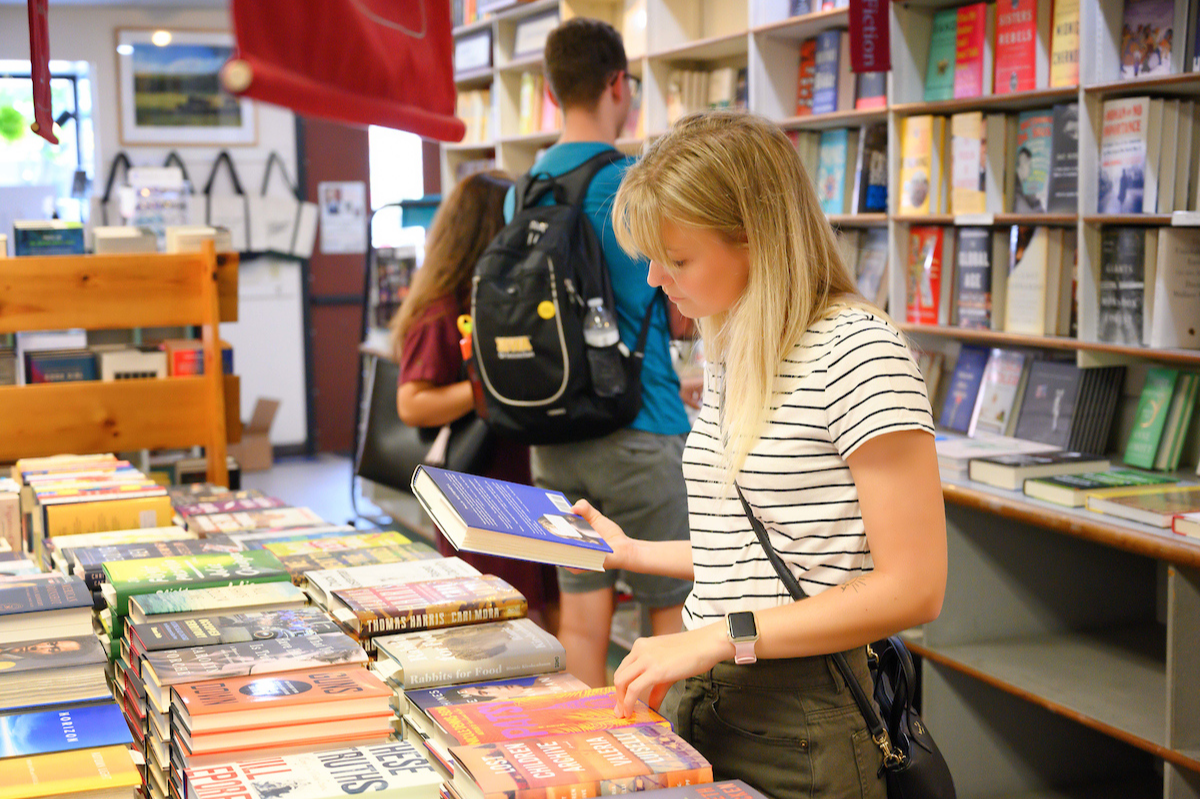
(99, 292)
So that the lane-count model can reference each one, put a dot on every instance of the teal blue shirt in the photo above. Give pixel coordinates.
(662, 409)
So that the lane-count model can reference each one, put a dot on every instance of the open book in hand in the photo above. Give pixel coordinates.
(479, 514)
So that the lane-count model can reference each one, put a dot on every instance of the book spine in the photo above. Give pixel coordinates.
(445, 615)
(515, 664)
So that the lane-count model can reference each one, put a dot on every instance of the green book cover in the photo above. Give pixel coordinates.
(157, 575)
(939, 75)
(1151, 416)
(1170, 449)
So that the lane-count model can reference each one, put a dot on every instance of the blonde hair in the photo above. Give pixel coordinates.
(739, 176)
(469, 218)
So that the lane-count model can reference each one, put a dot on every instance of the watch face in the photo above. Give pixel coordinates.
(741, 625)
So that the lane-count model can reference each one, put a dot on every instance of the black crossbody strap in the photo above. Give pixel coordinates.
(874, 723)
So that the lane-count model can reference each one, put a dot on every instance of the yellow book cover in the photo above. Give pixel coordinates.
(68, 772)
(1064, 44)
(916, 163)
(339, 543)
(102, 515)
(527, 119)
(968, 164)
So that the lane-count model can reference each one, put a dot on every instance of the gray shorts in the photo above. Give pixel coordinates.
(636, 479)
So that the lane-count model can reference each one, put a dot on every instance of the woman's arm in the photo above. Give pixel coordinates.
(665, 558)
(900, 496)
(422, 404)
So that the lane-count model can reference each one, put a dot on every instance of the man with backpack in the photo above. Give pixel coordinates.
(633, 475)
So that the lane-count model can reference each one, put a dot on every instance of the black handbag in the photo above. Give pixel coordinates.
(390, 451)
(912, 764)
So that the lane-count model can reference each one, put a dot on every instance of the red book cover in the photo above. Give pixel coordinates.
(924, 276)
(1016, 46)
(537, 716)
(805, 77)
(968, 50)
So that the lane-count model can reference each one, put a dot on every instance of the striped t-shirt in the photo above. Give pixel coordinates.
(849, 379)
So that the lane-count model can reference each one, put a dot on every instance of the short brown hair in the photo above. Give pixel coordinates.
(581, 57)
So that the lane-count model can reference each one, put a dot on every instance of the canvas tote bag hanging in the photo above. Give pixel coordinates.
(282, 224)
(106, 209)
(194, 211)
(229, 211)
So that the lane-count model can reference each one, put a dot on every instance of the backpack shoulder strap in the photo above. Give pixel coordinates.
(576, 182)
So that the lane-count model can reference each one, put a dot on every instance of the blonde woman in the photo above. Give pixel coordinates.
(814, 407)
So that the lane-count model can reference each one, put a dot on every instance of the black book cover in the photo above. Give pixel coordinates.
(1122, 285)
(870, 184)
(973, 261)
(1048, 405)
(1064, 160)
(234, 628)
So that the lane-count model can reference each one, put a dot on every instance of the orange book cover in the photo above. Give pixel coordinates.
(582, 765)
(378, 725)
(103, 515)
(428, 604)
(74, 771)
(535, 716)
(263, 694)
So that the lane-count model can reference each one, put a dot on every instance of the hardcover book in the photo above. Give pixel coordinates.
(162, 575)
(806, 74)
(927, 282)
(79, 771)
(423, 699)
(833, 170)
(939, 73)
(60, 366)
(871, 170)
(1123, 145)
(1175, 319)
(535, 717)
(322, 584)
(479, 514)
(1187, 524)
(300, 565)
(973, 285)
(1063, 190)
(1034, 280)
(964, 388)
(1048, 405)
(88, 562)
(955, 454)
(726, 789)
(1064, 44)
(870, 90)
(1152, 505)
(870, 271)
(279, 700)
(922, 138)
(262, 519)
(230, 505)
(968, 163)
(1011, 471)
(1035, 130)
(230, 629)
(579, 764)
(1179, 417)
(511, 648)
(1122, 287)
(1072, 489)
(97, 514)
(47, 237)
(1000, 393)
(394, 770)
(401, 607)
(1146, 38)
(340, 543)
(209, 601)
(972, 66)
(1022, 36)
(64, 728)
(825, 76)
(1150, 417)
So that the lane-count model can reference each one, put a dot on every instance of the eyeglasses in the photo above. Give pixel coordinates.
(635, 83)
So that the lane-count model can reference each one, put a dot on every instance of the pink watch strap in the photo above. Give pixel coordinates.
(743, 652)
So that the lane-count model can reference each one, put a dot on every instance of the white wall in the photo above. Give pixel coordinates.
(269, 340)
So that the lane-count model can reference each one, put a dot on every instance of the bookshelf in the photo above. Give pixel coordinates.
(1066, 658)
(116, 292)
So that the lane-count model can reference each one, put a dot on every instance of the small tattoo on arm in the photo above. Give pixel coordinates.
(856, 584)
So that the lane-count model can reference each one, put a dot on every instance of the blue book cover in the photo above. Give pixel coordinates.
(964, 386)
(30, 598)
(825, 79)
(831, 170)
(38, 238)
(60, 367)
(480, 514)
(72, 727)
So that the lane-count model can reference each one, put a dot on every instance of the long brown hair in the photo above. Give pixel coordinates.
(470, 217)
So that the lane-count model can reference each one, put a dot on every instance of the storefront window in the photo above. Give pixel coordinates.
(396, 174)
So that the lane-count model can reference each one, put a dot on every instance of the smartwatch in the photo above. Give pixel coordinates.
(743, 631)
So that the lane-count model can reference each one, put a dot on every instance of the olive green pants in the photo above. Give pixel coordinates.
(790, 728)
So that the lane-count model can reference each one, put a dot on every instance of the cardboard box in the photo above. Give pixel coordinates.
(253, 452)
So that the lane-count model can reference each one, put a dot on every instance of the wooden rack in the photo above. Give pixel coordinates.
(99, 292)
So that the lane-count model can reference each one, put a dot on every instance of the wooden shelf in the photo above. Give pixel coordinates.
(713, 48)
(805, 26)
(836, 119)
(1185, 84)
(1017, 101)
(1148, 220)
(1000, 338)
(857, 220)
(1140, 539)
(1115, 682)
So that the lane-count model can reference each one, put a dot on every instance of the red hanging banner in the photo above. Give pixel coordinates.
(39, 68)
(366, 62)
(870, 36)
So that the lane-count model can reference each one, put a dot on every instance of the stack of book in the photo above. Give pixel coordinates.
(334, 552)
(322, 585)
(48, 668)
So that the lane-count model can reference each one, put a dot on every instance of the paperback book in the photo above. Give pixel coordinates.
(403, 607)
(300, 565)
(1011, 471)
(469, 654)
(479, 514)
(209, 601)
(77, 771)
(322, 584)
(422, 699)
(999, 398)
(1072, 490)
(1151, 505)
(229, 629)
(88, 562)
(963, 390)
(341, 543)
(71, 727)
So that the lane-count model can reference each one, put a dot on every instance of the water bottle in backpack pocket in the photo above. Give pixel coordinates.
(604, 353)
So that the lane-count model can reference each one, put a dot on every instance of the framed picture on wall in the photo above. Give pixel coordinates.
(170, 93)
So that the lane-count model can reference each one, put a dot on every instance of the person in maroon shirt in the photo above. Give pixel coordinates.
(433, 391)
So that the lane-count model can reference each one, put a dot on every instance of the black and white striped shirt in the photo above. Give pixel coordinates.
(849, 379)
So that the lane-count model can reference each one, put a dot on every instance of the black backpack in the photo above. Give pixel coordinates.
(528, 303)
